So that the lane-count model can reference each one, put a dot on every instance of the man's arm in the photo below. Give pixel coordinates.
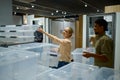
(100, 57)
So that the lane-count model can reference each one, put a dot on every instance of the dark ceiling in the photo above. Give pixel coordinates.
(65, 7)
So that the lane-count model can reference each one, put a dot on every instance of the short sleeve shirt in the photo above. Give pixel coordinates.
(104, 45)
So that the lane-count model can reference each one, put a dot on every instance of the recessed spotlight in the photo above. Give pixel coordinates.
(86, 5)
(17, 7)
(14, 12)
(33, 6)
(98, 10)
(57, 11)
(52, 13)
(65, 13)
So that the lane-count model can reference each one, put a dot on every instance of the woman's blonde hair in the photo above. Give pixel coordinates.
(70, 31)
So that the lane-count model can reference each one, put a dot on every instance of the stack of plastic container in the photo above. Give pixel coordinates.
(18, 65)
(77, 56)
(16, 33)
(48, 57)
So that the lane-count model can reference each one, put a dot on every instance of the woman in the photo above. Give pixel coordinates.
(64, 45)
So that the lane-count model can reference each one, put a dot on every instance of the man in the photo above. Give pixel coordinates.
(104, 56)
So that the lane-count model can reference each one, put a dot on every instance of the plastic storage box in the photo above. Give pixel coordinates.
(17, 39)
(105, 73)
(48, 57)
(2, 49)
(18, 65)
(17, 33)
(46, 75)
(13, 34)
(75, 71)
(77, 56)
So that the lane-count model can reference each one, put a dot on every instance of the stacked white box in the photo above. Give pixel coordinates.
(18, 65)
(16, 34)
(17, 39)
(48, 57)
(7, 27)
(20, 33)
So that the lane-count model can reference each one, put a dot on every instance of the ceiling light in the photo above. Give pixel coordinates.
(17, 7)
(33, 6)
(56, 11)
(14, 12)
(98, 10)
(65, 13)
(86, 5)
(52, 13)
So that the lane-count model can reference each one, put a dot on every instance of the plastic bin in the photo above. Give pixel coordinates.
(44, 75)
(2, 49)
(114, 77)
(77, 56)
(105, 73)
(48, 57)
(75, 71)
(17, 39)
(18, 65)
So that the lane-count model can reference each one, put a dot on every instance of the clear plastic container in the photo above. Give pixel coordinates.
(18, 65)
(77, 56)
(2, 49)
(105, 73)
(41, 69)
(17, 33)
(48, 57)
(46, 75)
(75, 71)
(114, 77)
(17, 39)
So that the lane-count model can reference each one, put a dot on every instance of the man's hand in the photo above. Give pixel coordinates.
(86, 54)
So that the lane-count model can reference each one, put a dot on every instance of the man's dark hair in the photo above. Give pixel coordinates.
(102, 22)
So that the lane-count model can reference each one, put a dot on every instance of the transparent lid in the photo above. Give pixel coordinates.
(32, 45)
